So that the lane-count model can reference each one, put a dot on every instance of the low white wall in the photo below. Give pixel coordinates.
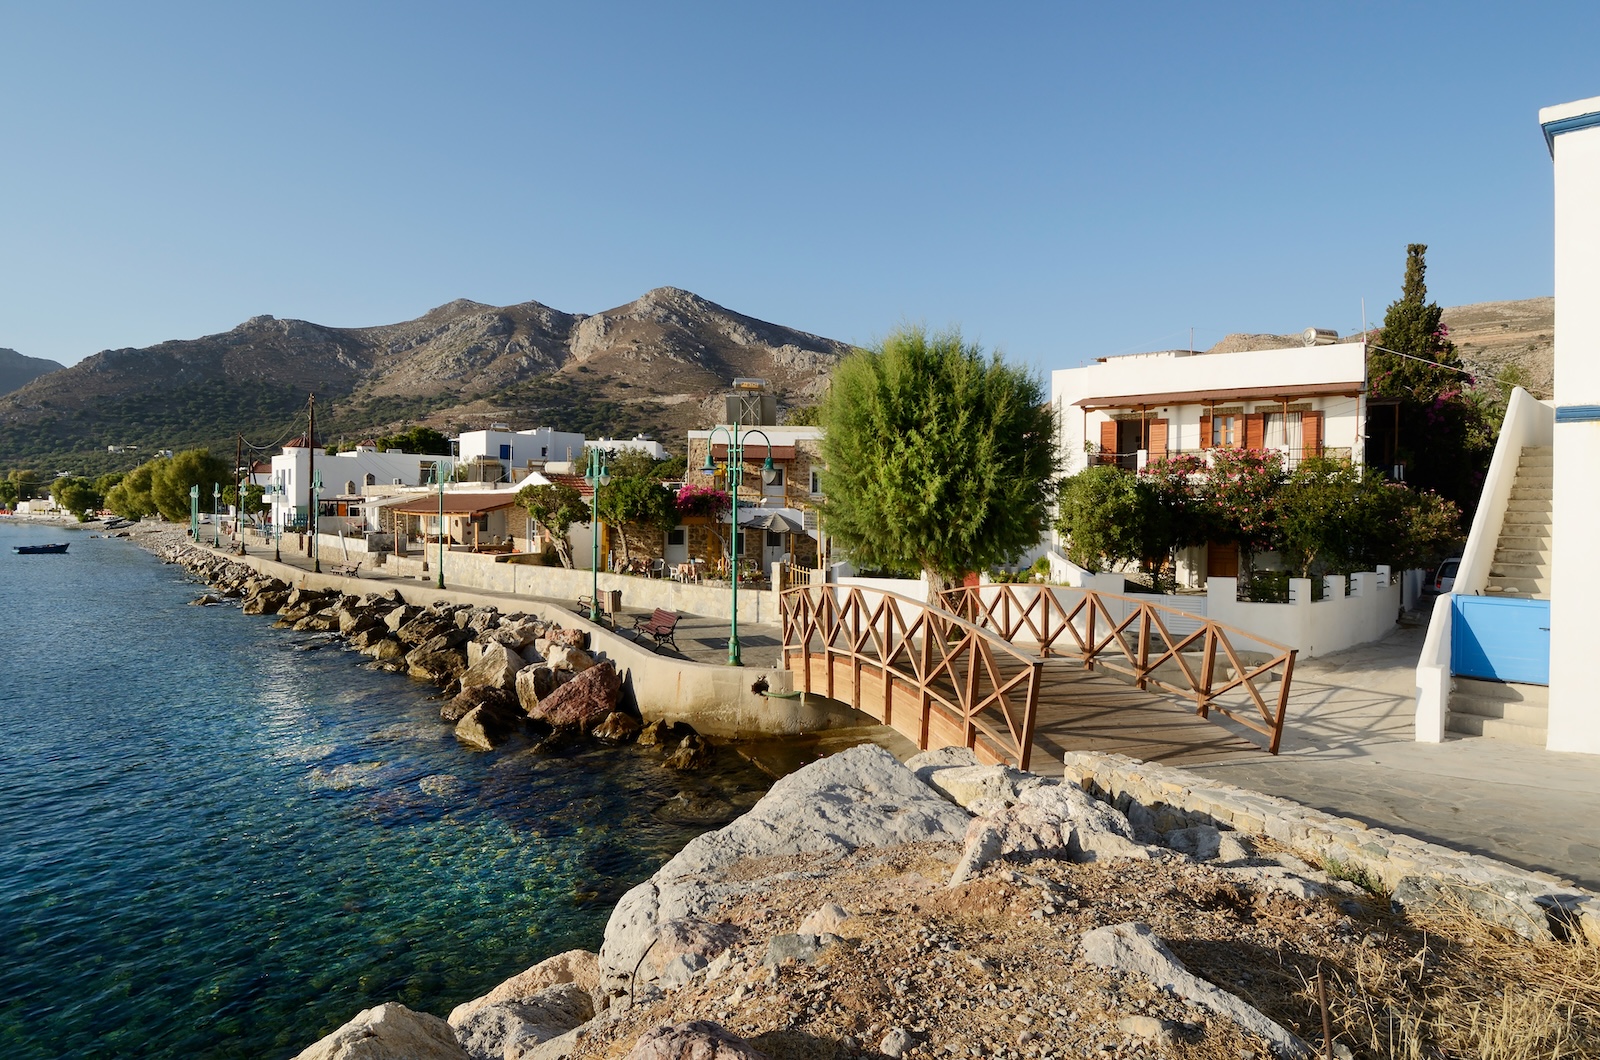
(1433, 674)
(1528, 422)
(470, 570)
(1065, 572)
(1339, 621)
(872, 590)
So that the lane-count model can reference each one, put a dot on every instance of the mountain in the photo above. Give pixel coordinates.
(17, 370)
(658, 364)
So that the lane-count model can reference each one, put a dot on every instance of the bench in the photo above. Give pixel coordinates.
(659, 625)
(347, 570)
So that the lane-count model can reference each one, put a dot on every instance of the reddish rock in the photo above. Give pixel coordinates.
(694, 1040)
(582, 702)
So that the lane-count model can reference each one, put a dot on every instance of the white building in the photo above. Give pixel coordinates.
(654, 449)
(517, 451)
(1143, 406)
(347, 478)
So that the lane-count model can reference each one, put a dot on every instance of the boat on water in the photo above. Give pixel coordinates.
(39, 550)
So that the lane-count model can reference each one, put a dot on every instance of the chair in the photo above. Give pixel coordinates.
(658, 568)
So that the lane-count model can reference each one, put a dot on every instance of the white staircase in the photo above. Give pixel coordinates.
(1521, 565)
(1500, 709)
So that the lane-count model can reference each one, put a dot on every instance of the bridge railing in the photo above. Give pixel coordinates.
(1232, 671)
(958, 682)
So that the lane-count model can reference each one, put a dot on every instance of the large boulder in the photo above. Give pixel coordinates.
(484, 729)
(437, 665)
(486, 1030)
(618, 727)
(533, 683)
(692, 755)
(365, 638)
(268, 602)
(859, 797)
(573, 966)
(583, 702)
(400, 616)
(560, 657)
(498, 700)
(426, 626)
(568, 638)
(496, 667)
(388, 1032)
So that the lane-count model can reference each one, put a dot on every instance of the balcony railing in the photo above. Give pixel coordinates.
(1292, 458)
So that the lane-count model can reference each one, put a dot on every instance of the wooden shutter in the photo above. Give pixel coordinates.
(1157, 446)
(1205, 431)
(1108, 441)
(1255, 431)
(1311, 433)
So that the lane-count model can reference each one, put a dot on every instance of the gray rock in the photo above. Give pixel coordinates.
(1133, 948)
(861, 797)
(803, 948)
(1274, 879)
(533, 683)
(692, 755)
(388, 1032)
(694, 1040)
(1099, 830)
(896, 1043)
(496, 667)
(575, 660)
(965, 785)
(485, 1031)
(828, 919)
(1147, 1027)
(1506, 903)
(925, 764)
(1202, 842)
(482, 729)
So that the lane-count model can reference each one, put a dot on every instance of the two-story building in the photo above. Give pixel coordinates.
(499, 454)
(348, 479)
(792, 496)
(1128, 410)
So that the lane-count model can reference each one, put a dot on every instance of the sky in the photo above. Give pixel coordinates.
(1058, 180)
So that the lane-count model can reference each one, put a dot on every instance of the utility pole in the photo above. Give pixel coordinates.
(312, 502)
(238, 490)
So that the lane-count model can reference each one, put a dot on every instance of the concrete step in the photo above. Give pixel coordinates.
(1518, 704)
(1521, 492)
(1502, 691)
(1524, 588)
(1496, 728)
(1528, 517)
(1537, 456)
(1520, 559)
(1526, 532)
(1516, 504)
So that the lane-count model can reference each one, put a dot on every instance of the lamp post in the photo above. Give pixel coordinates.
(442, 467)
(279, 488)
(216, 516)
(194, 514)
(596, 476)
(736, 440)
(316, 520)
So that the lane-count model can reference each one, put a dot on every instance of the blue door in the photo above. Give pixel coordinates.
(505, 452)
(1501, 639)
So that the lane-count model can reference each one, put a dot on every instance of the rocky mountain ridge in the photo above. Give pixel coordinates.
(658, 364)
(18, 370)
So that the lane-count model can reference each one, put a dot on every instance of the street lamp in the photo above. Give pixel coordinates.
(596, 476)
(735, 476)
(442, 467)
(280, 488)
(316, 521)
(194, 514)
(216, 523)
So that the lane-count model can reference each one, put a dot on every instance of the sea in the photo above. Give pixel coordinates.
(222, 839)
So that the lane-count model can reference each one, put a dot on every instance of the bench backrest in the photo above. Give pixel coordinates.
(663, 617)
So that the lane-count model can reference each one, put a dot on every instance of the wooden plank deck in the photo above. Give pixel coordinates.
(1083, 710)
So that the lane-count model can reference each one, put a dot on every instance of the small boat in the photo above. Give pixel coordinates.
(39, 550)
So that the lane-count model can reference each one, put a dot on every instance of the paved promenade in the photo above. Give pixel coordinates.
(1347, 749)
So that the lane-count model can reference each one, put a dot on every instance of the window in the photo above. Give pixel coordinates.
(1283, 431)
(372, 480)
(816, 482)
(1224, 432)
(677, 536)
(349, 487)
(774, 539)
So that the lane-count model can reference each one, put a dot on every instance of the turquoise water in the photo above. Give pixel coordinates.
(220, 839)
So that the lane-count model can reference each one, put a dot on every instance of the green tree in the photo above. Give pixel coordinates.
(255, 498)
(554, 508)
(130, 498)
(421, 440)
(170, 481)
(1446, 424)
(939, 457)
(635, 497)
(8, 493)
(1238, 498)
(803, 416)
(77, 495)
(27, 485)
(1339, 518)
(1100, 512)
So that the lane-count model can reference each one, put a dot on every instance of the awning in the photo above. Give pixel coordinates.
(755, 451)
(1221, 397)
(458, 504)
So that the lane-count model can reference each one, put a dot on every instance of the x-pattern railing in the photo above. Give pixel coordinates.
(1139, 643)
(956, 673)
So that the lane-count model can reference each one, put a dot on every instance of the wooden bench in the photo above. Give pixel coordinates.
(659, 625)
(347, 570)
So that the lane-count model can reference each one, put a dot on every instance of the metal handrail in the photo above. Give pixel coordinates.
(956, 672)
(1103, 637)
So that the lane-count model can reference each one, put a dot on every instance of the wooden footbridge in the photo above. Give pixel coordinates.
(1015, 671)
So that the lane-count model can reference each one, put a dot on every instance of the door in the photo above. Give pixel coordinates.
(1501, 639)
(776, 549)
(1222, 560)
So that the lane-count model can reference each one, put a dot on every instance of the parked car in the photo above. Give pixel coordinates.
(1444, 579)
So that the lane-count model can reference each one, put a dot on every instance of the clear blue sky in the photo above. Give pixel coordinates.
(1059, 180)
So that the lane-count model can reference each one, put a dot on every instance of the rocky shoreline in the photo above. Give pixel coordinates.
(940, 908)
(502, 673)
